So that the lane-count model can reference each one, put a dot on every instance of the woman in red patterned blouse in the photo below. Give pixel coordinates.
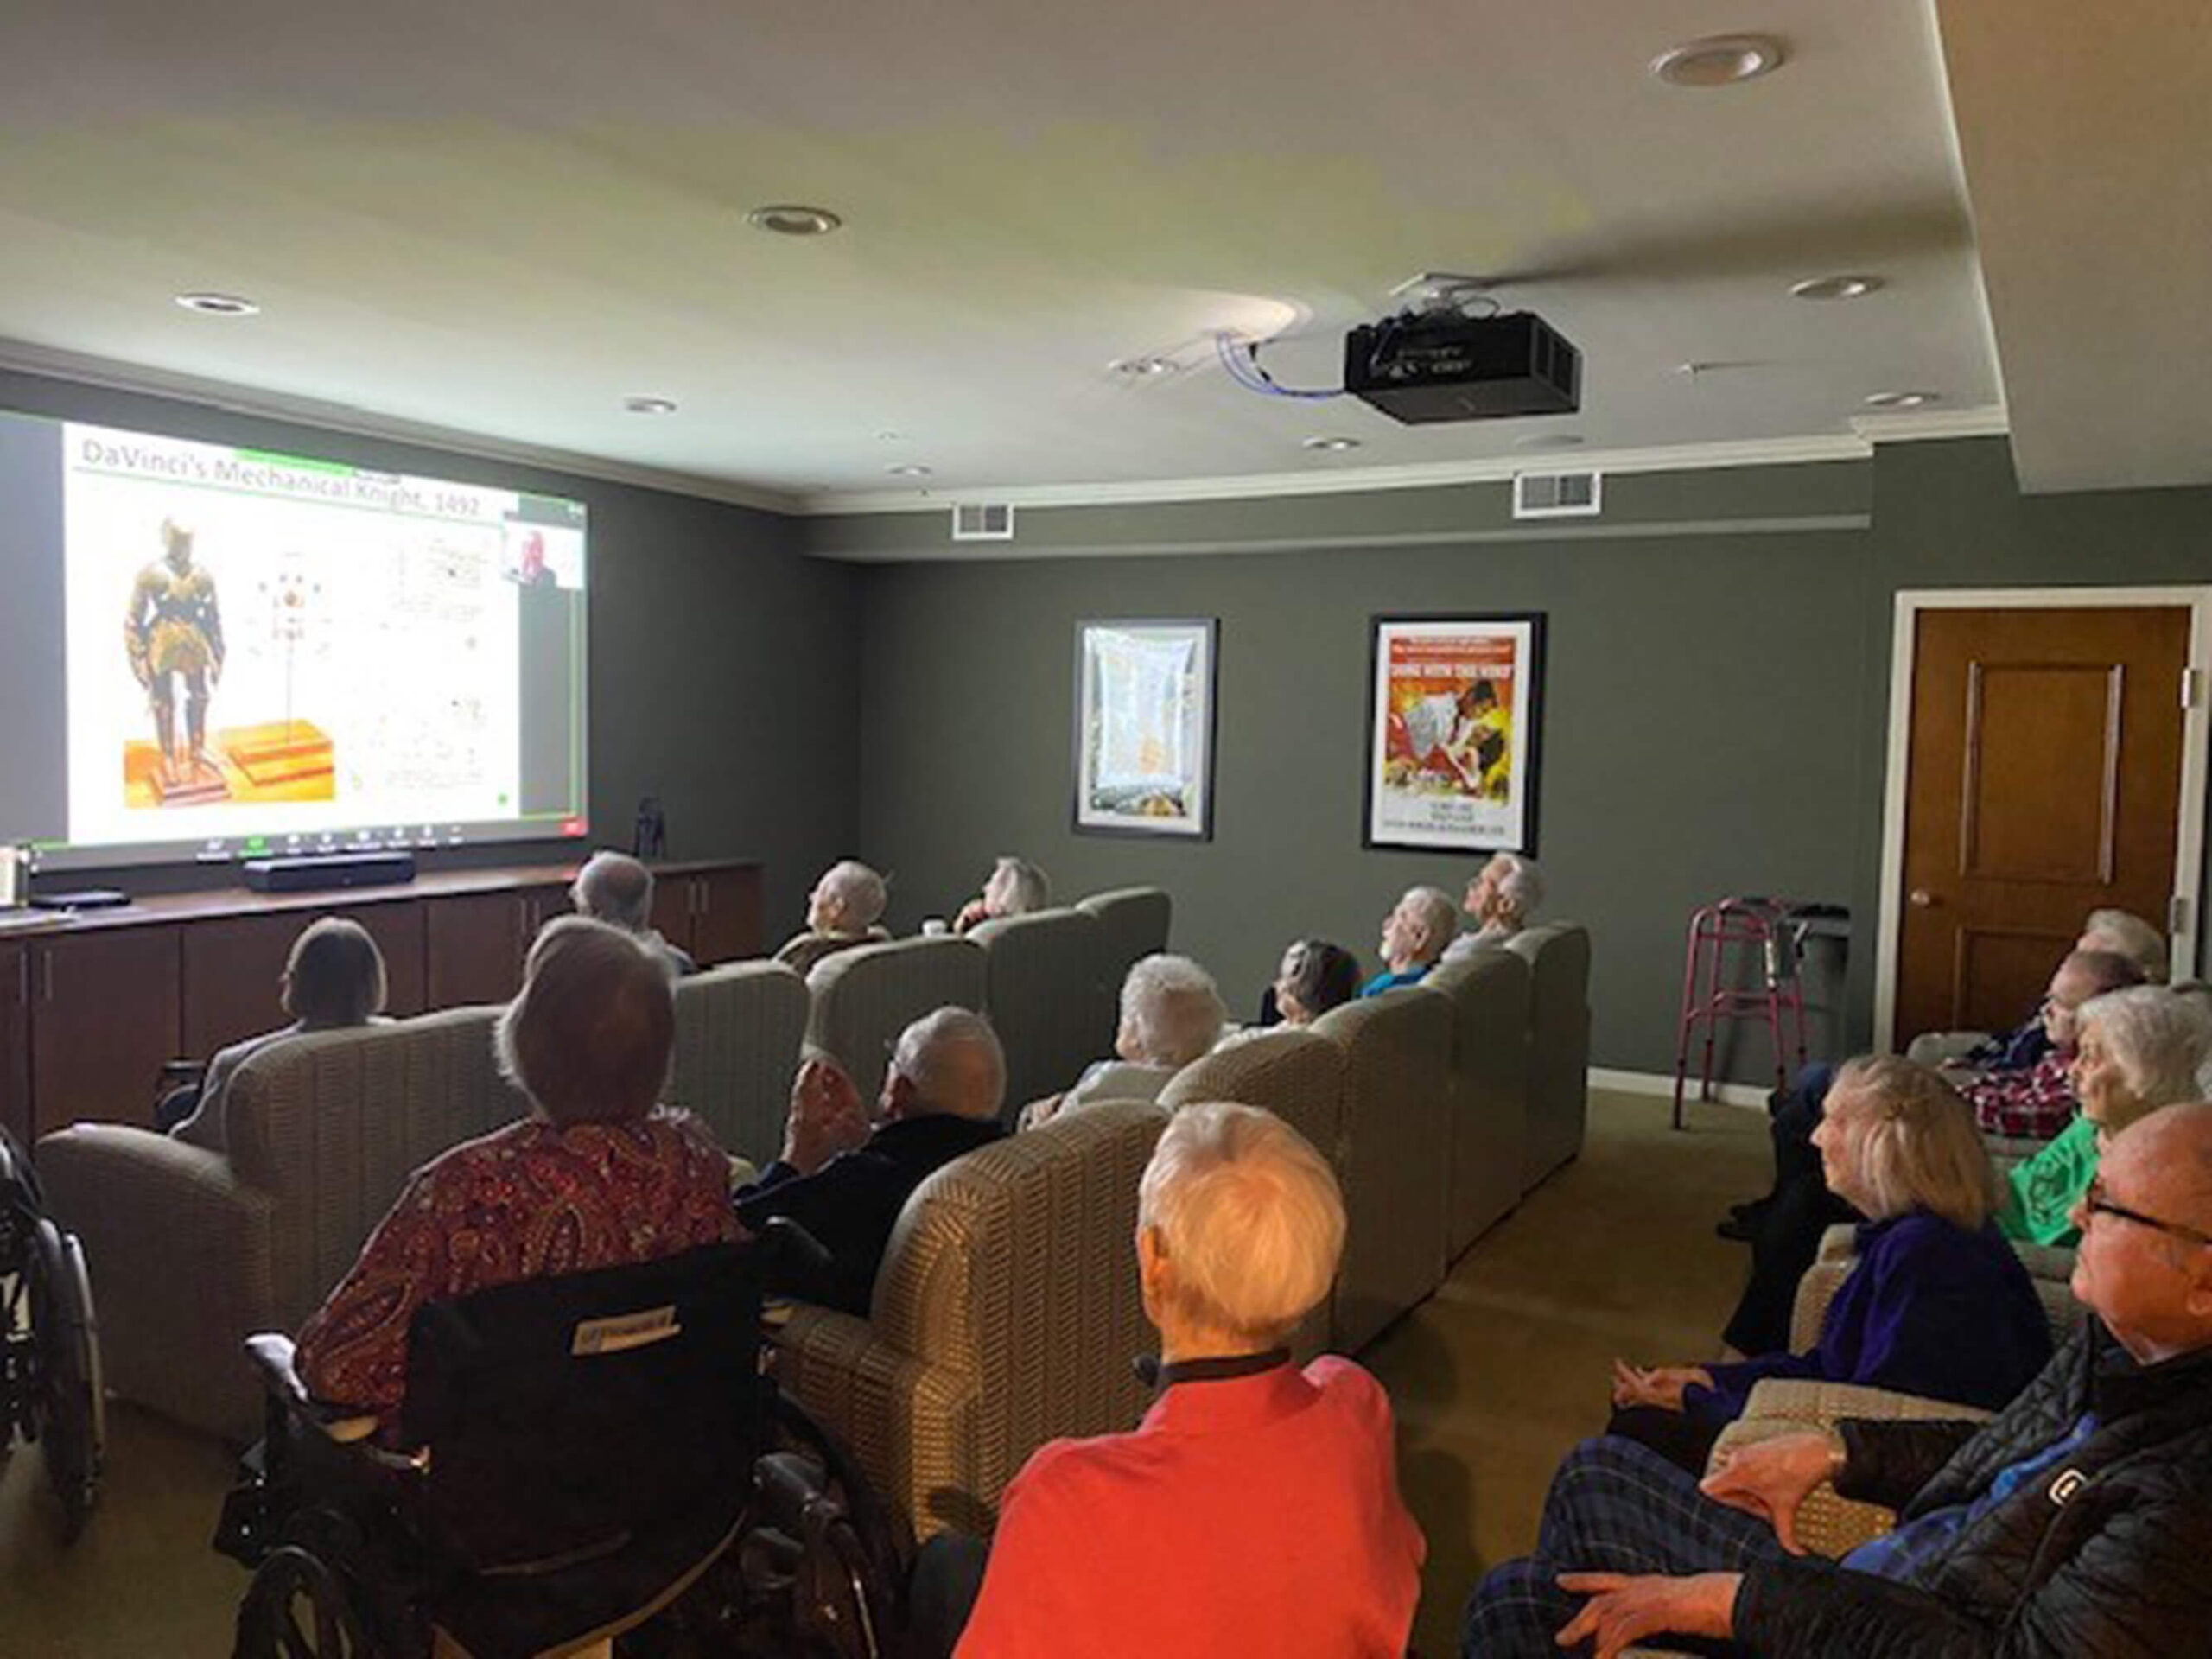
(595, 1179)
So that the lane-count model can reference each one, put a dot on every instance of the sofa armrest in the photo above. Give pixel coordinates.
(178, 1249)
(911, 1426)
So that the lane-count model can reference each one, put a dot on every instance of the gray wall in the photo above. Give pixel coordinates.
(722, 660)
(1717, 680)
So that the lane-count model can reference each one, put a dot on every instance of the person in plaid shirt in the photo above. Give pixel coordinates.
(2036, 1103)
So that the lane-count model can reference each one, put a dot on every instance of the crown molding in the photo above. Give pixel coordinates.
(1356, 481)
(1916, 425)
(111, 375)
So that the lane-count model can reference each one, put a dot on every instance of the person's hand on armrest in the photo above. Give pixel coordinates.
(1773, 1477)
(1040, 1110)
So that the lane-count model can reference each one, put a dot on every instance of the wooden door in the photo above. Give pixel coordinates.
(104, 1019)
(232, 967)
(727, 925)
(2044, 778)
(16, 1042)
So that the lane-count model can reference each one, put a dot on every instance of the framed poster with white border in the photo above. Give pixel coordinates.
(1144, 728)
(1455, 712)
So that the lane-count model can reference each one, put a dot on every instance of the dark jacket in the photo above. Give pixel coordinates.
(1931, 1309)
(2105, 1555)
(851, 1203)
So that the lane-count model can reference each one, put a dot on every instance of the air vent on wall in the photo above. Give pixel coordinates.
(1555, 495)
(983, 521)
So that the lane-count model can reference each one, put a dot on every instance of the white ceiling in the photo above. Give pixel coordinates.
(502, 217)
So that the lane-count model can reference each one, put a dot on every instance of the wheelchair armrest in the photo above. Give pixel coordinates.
(272, 1355)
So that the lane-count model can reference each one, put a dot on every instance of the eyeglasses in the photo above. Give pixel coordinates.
(2094, 1202)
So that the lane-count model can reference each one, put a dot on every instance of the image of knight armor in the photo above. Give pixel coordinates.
(174, 627)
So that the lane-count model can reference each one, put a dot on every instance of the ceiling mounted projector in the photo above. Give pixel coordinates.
(1423, 367)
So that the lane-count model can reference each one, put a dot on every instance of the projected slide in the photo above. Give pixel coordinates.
(268, 652)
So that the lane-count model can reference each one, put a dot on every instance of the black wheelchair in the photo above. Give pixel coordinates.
(596, 1459)
(50, 1390)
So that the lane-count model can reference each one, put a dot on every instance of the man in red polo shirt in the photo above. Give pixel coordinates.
(1255, 1510)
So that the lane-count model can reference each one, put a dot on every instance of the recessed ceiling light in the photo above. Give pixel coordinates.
(794, 218)
(1144, 368)
(1331, 446)
(649, 405)
(1901, 399)
(219, 305)
(1719, 61)
(909, 469)
(1834, 288)
(891, 437)
(1549, 441)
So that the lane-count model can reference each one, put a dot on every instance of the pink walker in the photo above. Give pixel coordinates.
(1714, 985)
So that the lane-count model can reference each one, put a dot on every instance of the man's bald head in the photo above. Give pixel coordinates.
(2145, 1263)
(948, 1061)
(2173, 1149)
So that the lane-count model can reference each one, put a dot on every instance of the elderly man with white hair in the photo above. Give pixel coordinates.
(844, 1178)
(2075, 1522)
(845, 909)
(1414, 934)
(615, 889)
(1172, 1012)
(1502, 898)
(1255, 1510)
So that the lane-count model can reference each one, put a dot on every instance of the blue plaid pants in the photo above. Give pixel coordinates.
(1614, 1507)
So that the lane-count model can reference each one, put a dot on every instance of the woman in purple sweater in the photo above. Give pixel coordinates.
(1939, 1305)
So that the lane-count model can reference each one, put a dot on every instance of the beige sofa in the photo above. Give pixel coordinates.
(191, 1250)
(1041, 985)
(1133, 923)
(1558, 956)
(1395, 1164)
(1006, 1314)
(861, 999)
(1490, 992)
(738, 1030)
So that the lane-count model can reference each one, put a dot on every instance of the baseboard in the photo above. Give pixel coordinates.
(1658, 1083)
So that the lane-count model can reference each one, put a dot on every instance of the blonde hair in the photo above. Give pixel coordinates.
(1249, 1215)
(589, 1035)
(1175, 1008)
(1920, 1148)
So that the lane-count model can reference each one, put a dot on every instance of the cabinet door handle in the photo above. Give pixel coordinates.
(706, 897)
(45, 969)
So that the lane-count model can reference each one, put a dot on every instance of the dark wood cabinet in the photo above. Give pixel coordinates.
(233, 968)
(104, 1022)
(91, 1009)
(16, 1041)
(711, 911)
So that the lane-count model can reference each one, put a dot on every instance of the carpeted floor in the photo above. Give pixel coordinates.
(1506, 1366)
(1493, 1378)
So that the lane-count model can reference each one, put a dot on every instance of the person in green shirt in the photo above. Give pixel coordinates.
(2138, 1048)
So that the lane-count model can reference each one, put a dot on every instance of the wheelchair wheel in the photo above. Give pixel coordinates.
(68, 1404)
(297, 1608)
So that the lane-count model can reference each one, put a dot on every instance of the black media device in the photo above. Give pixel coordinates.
(316, 872)
(83, 899)
(1426, 367)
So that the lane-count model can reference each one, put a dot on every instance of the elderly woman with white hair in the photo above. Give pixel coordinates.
(845, 909)
(1172, 1012)
(2135, 1051)
(1939, 1305)
(1414, 934)
(1503, 898)
(1255, 1509)
(1015, 887)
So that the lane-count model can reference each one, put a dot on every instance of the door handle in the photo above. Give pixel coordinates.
(1922, 899)
(45, 965)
